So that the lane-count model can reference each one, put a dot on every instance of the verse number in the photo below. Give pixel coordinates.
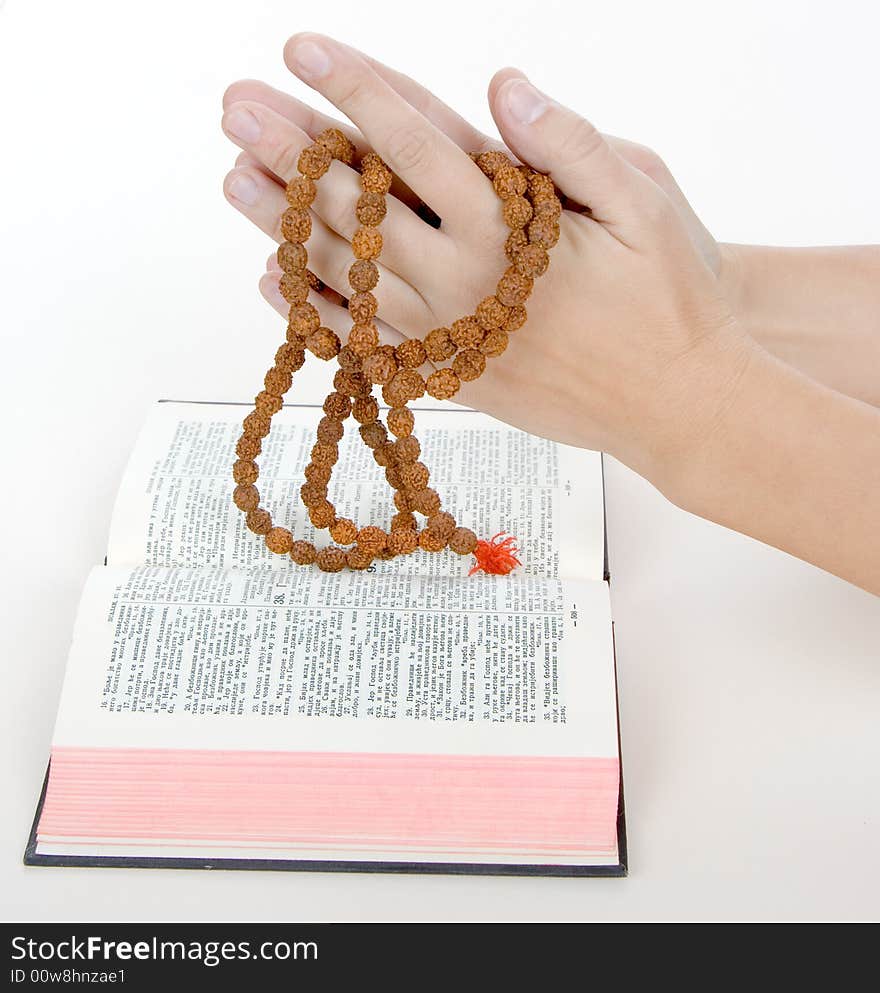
(278, 599)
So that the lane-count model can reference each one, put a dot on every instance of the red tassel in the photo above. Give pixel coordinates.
(497, 556)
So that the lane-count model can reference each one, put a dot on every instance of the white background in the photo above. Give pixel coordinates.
(749, 682)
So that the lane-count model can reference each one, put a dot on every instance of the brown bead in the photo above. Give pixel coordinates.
(532, 261)
(509, 182)
(246, 497)
(407, 449)
(517, 212)
(363, 307)
(466, 332)
(414, 475)
(323, 343)
(516, 241)
(516, 317)
(363, 339)
(463, 541)
(337, 405)
(371, 539)
(337, 144)
(371, 209)
(322, 514)
(296, 224)
(357, 558)
(352, 383)
(384, 454)
(325, 453)
(442, 524)
(411, 353)
(402, 502)
(543, 231)
(279, 541)
(443, 384)
(300, 193)
(268, 404)
(373, 434)
(439, 345)
(550, 210)
(344, 531)
(290, 356)
(365, 410)
(403, 520)
(431, 541)
(259, 521)
(491, 162)
(541, 187)
(426, 501)
(331, 559)
(316, 473)
(330, 430)
(392, 476)
(401, 421)
(379, 367)
(375, 175)
(402, 541)
(245, 472)
(277, 381)
(303, 552)
(349, 360)
(304, 320)
(490, 313)
(248, 446)
(314, 161)
(294, 288)
(469, 364)
(292, 257)
(363, 275)
(256, 424)
(312, 493)
(409, 383)
(366, 243)
(513, 288)
(494, 343)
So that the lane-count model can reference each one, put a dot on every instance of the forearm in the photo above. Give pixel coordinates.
(795, 465)
(818, 309)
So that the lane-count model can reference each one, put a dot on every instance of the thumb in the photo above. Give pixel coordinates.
(553, 139)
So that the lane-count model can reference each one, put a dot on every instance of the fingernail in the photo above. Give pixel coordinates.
(311, 60)
(524, 103)
(242, 124)
(243, 188)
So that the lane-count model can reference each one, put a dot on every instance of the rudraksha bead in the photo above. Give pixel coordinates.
(268, 404)
(543, 231)
(371, 539)
(337, 405)
(296, 224)
(532, 261)
(337, 144)
(245, 472)
(392, 476)
(312, 493)
(294, 288)
(411, 353)
(357, 558)
(516, 317)
(509, 182)
(349, 360)
(414, 475)
(409, 383)
(300, 194)
(494, 343)
(516, 241)
(343, 531)
(491, 162)
(490, 313)
(303, 552)
(322, 514)
(292, 257)
(513, 288)
(375, 175)
(248, 446)
(366, 243)
(442, 523)
(443, 384)
(363, 338)
(316, 473)
(403, 520)
(352, 383)
(466, 332)
(463, 541)
(279, 541)
(325, 453)
(365, 410)
(402, 501)
(431, 541)
(314, 161)
(256, 424)
(330, 430)
(439, 345)
(277, 381)
(541, 187)
(304, 320)
(324, 343)
(373, 434)
(402, 541)
(331, 559)
(246, 497)
(548, 209)
(401, 421)
(517, 212)
(290, 356)
(259, 521)
(469, 364)
(370, 209)
(407, 449)
(363, 307)
(363, 275)
(426, 501)
(379, 367)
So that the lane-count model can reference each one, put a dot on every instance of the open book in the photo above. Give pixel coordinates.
(223, 707)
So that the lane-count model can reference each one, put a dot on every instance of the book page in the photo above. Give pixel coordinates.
(258, 659)
(175, 504)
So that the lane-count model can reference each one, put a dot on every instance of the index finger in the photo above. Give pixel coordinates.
(425, 158)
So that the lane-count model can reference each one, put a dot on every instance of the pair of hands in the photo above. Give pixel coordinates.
(630, 346)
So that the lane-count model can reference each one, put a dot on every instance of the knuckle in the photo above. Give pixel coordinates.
(353, 91)
(579, 141)
(410, 149)
(646, 160)
(284, 157)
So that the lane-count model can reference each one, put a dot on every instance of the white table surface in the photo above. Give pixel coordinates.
(749, 682)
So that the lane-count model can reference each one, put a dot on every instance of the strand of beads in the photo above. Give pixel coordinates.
(531, 210)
